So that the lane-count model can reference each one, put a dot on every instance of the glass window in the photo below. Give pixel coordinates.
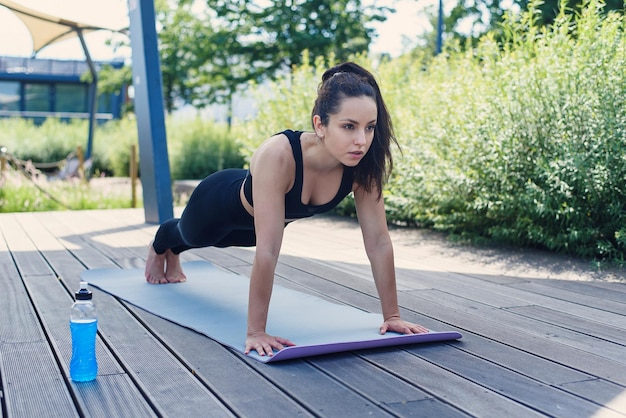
(71, 98)
(37, 97)
(104, 103)
(9, 95)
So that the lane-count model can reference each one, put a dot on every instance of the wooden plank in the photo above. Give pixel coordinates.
(521, 294)
(28, 261)
(336, 399)
(32, 384)
(523, 390)
(556, 372)
(318, 392)
(485, 322)
(332, 396)
(609, 300)
(297, 276)
(397, 408)
(224, 371)
(499, 365)
(31, 381)
(135, 349)
(522, 362)
(614, 286)
(601, 392)
(550, 332)
(52, 304)
(525, 364)
(448, 386)
(386, 390)
(609, 290)
(576, 323)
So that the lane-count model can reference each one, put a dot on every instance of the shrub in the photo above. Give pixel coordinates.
(521, 142)
(198, 148)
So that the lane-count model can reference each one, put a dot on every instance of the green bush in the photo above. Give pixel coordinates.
(198, 148)
(112, 147)
(522, 143)
(55, 140)
(49, 142)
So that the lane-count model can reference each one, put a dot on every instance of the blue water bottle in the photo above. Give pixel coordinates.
(84, 326)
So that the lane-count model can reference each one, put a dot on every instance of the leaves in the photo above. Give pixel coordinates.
(522, 142)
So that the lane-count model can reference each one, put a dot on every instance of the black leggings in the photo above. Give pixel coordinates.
(214, 217)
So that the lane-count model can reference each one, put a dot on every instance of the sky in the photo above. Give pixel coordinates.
(408, 22)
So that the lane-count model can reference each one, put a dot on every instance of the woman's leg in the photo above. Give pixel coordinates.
(214, 212)
(163, 264)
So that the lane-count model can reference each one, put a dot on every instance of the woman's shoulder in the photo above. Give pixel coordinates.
(274, 150)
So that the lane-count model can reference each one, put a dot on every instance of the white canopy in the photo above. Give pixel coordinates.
(46, 29)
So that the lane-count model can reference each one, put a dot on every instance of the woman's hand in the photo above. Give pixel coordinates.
(396, 324)
(265, 344)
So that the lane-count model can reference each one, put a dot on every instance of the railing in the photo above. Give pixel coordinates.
(21, 65)
(59, 115)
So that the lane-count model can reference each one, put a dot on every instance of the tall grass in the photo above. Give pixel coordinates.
(198, 148)
(18, 194)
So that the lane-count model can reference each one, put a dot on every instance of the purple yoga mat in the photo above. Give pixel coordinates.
(214, 302)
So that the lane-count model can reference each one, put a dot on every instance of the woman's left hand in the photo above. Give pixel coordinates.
(396, 324)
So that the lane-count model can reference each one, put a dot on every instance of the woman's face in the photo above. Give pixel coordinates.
(350, 132)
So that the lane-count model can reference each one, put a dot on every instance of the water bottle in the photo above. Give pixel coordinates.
(83, 326)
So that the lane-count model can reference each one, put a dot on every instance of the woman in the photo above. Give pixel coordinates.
(295, 175)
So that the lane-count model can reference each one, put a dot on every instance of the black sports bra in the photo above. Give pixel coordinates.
(294, 208)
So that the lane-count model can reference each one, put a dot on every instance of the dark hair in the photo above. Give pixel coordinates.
(351, 80)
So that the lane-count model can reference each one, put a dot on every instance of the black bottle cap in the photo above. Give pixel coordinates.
(83, 293)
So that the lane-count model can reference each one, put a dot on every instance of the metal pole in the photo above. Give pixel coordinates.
(93, 94)
(439, 29)
(150, 111)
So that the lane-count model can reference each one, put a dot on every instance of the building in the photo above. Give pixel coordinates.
(41, 88)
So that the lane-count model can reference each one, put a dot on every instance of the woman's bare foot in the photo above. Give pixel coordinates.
(173, 269)
(155, 267)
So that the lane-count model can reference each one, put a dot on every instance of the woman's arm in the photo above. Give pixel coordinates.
(272, 172)
(379, 249)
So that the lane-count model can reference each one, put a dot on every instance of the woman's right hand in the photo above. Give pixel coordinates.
(265, 344)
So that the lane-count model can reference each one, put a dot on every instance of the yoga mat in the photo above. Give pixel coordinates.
(214, 302)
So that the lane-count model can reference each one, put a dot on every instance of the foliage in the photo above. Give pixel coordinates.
(526, 141)
(197, 148)
(520, 142)
(186, 41)
(208, 54)
(19, 195)
(112, 147)
(52, 141)
(112, 80)
(549, 10)
(469, 20)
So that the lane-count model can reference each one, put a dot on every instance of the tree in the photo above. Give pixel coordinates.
(207, 56)
(184, 43)
(209, 50)
(469, 20)
(550, 8)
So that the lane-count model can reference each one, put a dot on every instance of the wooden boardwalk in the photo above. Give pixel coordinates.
(543, 335)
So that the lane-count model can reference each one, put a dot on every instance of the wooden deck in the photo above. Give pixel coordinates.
(543, 335)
